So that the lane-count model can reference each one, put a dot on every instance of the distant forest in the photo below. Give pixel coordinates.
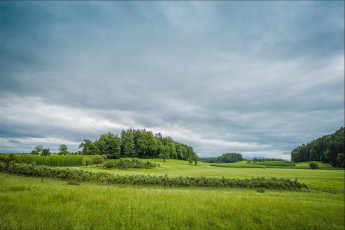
(138, 143)
(328, 149)
(225, 158)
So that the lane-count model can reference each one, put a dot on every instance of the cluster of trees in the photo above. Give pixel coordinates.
(328, 149)
(266, 159)
(138, 143)
(224, 158)
(109, 178)
(230, 158)
(40, 150)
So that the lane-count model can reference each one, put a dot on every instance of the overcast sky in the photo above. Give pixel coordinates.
(259, 78)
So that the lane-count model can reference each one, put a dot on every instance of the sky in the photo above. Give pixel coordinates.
(258, 78)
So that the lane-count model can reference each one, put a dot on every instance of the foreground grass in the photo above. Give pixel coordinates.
(27, 203)
(315, 178)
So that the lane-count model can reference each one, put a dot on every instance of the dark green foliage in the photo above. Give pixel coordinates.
(109, 145)
(328, 149)
(125, 163)
(34, 152)
(128, 144)
(80, 175)
(232, 165)
(260, 190)
(45, 152)
(63, 150)
(86, 161)
(313, 165)
(266, 159)
(109, 164)
(229, 158)
(89, 148)
(98, 159)
(164, 153)
(138, 143)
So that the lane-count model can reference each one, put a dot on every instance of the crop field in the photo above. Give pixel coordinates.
(50, 203)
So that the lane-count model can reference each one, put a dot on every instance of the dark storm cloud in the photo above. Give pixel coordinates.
(253, 77)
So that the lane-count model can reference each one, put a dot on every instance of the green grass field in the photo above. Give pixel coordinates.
(29, 203)
(315, 178)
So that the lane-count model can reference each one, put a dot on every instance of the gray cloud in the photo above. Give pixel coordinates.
(258, 78)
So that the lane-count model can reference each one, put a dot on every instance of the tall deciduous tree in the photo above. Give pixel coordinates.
(110, 145)
(128, 145)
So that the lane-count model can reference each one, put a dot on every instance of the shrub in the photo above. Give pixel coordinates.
(260, 190)
(86, 161)
(80, 175)
(313, 165)
(34, 152)
(126, 163)
(109, 164)
(98, 159)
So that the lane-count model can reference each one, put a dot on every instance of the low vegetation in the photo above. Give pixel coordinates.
(53, 160)
(27, 203)
(126, 163)
(109, 178)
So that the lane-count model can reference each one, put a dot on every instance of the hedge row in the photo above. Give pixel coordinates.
(125, 163)
(80, 175)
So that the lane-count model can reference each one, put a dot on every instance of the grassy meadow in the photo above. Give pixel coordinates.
(36, 203)
(315, 178)
(29, 203)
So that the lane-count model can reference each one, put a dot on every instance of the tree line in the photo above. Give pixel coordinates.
(224, 158)
(328, 149)
(138, 143)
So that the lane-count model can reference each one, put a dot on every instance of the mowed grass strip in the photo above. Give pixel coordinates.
(27, 203)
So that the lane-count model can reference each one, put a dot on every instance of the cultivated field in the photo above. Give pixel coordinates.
(29, 203)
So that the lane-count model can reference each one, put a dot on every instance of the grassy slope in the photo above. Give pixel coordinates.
(315, 178)
(26, 203)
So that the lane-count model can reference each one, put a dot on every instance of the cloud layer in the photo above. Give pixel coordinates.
(255, 77)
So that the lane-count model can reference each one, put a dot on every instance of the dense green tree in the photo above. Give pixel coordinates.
(230, 158)
(34, 152)
(98, 159)
(39, 148)
(87, 161)
(313, 165)
(181, 151)
(147, 145)
(169, 144)
(326, 149)
(137, 143)
(45, 152)
(63, 150)
(110, 145)
(128, 145)
(164, 152)
(89, 148)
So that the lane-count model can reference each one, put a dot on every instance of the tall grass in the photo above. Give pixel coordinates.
(53, 160)
(27, 203)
